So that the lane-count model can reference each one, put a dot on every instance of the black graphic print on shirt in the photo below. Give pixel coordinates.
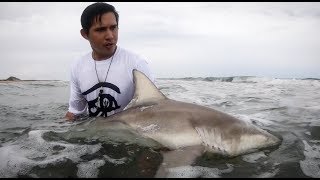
(104, 103)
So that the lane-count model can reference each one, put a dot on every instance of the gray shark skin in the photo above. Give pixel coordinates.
(179, 125)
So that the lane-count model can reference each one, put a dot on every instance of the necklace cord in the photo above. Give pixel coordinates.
(95, 67)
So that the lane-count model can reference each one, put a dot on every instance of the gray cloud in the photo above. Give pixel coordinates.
(40, 39)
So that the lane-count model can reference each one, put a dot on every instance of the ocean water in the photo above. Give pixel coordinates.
(33, 141)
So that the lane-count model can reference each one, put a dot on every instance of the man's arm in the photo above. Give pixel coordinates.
(77, 103)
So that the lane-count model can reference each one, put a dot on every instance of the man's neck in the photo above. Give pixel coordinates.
(103, 57)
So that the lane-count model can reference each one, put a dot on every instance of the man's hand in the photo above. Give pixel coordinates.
(69, 116)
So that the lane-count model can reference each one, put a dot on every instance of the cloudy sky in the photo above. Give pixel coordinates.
(39, 40)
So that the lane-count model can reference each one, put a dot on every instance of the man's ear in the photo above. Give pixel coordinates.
(84, 34)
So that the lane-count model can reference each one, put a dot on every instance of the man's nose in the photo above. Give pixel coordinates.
(108, 34)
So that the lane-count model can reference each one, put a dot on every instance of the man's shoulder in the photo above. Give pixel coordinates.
(130, 55)
(80, 60)
(127, 52)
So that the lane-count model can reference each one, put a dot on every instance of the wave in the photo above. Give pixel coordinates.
(241, 79)
(316, 79)
(246, 79)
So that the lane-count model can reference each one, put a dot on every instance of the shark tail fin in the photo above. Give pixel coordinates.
(145, 92)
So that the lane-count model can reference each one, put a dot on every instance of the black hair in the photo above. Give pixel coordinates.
(95, 11)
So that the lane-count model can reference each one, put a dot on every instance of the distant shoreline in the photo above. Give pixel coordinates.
(14, 79)
(6, 81)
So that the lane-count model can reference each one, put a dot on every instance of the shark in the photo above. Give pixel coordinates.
(186, 130)
(176, 124)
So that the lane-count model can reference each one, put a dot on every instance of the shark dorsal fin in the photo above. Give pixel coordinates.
(145, 91)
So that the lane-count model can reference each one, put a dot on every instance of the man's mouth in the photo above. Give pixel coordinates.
(108, 45)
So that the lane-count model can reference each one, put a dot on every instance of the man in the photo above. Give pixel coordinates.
(101, 82)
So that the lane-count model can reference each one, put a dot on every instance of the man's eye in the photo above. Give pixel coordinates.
(113, 27)
(101, 29)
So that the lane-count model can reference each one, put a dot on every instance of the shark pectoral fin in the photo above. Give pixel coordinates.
(181, 157)
(145, 90)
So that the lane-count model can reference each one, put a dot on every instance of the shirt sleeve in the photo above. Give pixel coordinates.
(143, 66)
(77, 102)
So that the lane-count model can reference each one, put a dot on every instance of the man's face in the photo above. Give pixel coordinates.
(103, 36)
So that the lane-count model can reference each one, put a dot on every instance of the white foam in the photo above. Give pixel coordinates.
(311, 164)
(314, 141)
(20, 159)
(42, 148)
(253, 157)
(89, 169)
(196, 171)
(310, 168)
(13, 162)
(267, 174)
(115, 161)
